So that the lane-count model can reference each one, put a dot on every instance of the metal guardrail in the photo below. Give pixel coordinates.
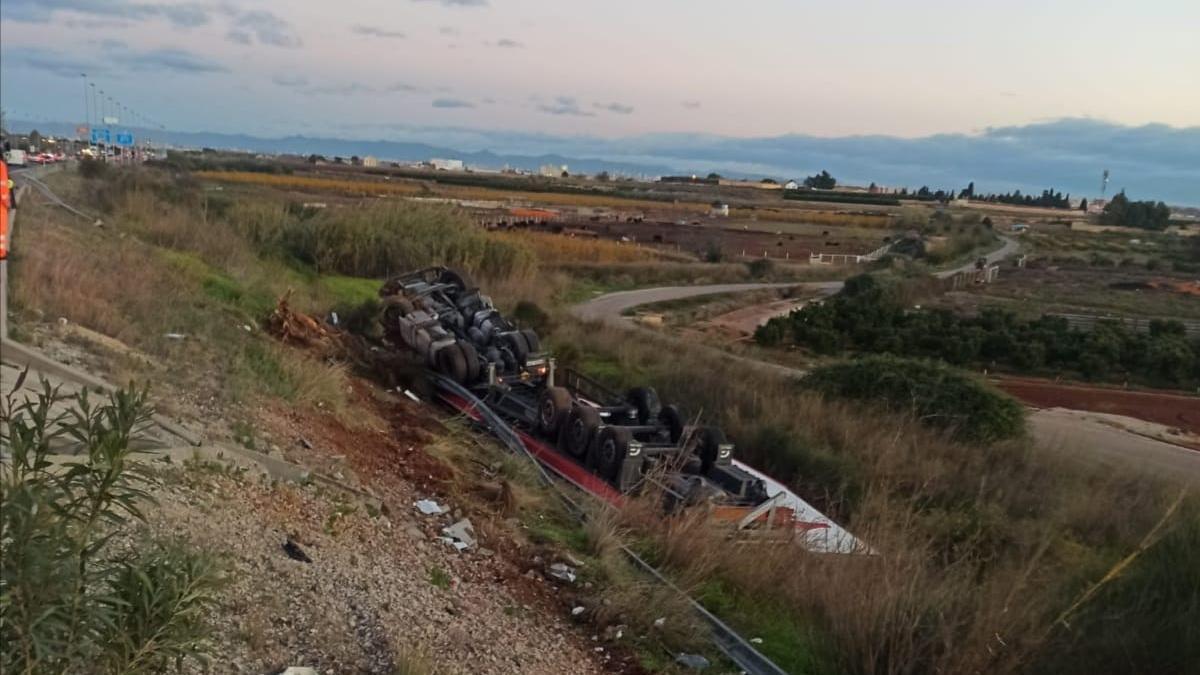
(728, 641)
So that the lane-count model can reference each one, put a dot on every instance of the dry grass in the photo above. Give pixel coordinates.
(806, 216)
(981, 547)
(408, 187)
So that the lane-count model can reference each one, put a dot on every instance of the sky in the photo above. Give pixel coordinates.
(606, 69)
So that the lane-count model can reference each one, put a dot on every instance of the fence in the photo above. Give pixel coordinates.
(847, 258)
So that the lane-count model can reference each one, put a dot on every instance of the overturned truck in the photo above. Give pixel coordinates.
(627, 440)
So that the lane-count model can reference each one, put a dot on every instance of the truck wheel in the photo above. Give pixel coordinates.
(516, 345)
(452, 363)
(672, 419)
(554, 405)
(531, 340)
(581, 425)
(709, 441)
(474, 369)
(459, 279)
(611, 448)
(645, 399)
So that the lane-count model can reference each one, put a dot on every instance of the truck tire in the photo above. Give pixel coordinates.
(459, 279)
(670, 417)
(516, 344)
(581, 426)
(611, 448)
(554, 406)
(452, 363)
(532, 342)
(709, 440)
(474, 367)
(394, 309)
(645, 399)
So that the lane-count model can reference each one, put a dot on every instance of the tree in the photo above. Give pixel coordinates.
(603, 177)
(1083, 205)
(821, 181)
(769, 181)
(714, 176)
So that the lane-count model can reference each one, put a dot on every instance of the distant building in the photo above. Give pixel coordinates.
(719, 210)
(370, 162)
(1097, 205)
(552, 170)
(791, 185)
(446, 164)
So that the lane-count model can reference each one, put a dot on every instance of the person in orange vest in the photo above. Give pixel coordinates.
(5, 196)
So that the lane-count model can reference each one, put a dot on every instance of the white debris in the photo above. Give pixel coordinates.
(757, 640)
(246, 327)
(411, 395)
(576, 611)
(561, 572)
(429, 507)
(660, 622)
(175, 336)
(299, 670)
(461, 534)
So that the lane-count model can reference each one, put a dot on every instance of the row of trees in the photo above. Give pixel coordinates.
(1050, 198)
(867, 317)
(1146, 215)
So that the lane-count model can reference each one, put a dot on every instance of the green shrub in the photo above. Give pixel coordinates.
(938, 395)
(71, 601)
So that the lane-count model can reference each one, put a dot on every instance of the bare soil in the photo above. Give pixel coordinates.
(1175, 410)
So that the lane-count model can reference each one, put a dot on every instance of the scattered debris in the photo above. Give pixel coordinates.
(757, 640)
(299, 670)
(306, 443)
(576, 611)
(293, 551)
(429, 507)
(572, 560)
(693, 661)
(411, 395)
(460, 534)
(175, 336)
(246, 327)
(561, 572)
(660, 622)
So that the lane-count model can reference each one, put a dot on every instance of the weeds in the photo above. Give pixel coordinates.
(72, 601)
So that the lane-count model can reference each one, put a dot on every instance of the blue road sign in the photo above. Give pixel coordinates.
(125, 139)
(100, 136)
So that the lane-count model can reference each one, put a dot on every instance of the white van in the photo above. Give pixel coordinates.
(15, 158)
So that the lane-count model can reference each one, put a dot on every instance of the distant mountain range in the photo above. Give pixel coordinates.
(1151, 162)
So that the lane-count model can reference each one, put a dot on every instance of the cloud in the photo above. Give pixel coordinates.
(290, 80)
(565, 105)
(344, 89)
(269, 29)
(239, 37)
(691, 105)
(506, 43)
(458, 3)
(168, 59)
(373, 31)
(452, 103)
(449, 31)
(618, 108)
(52, 62)
(186, 15)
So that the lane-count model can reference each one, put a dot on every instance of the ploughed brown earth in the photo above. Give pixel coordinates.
(1171, 409)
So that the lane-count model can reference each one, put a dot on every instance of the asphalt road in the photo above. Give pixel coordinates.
(1087, 439)
(612, 305)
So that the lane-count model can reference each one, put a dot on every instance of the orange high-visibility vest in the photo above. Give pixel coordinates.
(4, 197)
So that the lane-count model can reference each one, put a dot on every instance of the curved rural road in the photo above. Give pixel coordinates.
(1072, 432)
(613, 305)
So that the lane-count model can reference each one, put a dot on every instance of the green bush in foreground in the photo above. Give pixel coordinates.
(937, 394)
(71, 601)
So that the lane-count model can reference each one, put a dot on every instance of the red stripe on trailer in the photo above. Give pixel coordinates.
(551, 458)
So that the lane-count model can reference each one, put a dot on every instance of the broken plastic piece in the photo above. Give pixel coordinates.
(429, 507)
